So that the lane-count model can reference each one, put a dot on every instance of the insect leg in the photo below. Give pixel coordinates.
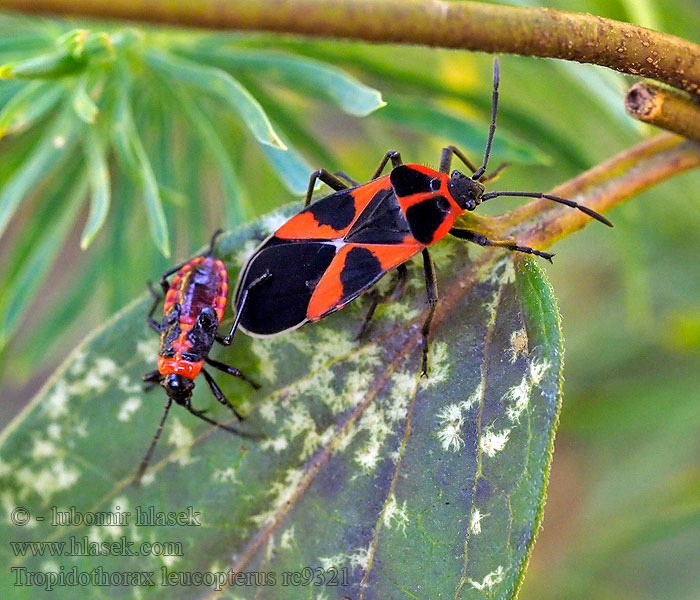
(482, 240)
(392, 295)
(219, 395)
(347, 178)
(152, 378)
(391, 155)
(200, 415)
(446, 159)
(328, 178)
(493, 174)
(374, 302)
(156, 299)
(147, 457)
(226, 341)
(431, 289)
(164, 277)
(232, 371)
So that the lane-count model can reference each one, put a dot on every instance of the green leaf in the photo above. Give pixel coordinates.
(20, 290)
(313, 76)
(98, 173)
(83, 105)
(28, 105)
(292, 167)
(210, 137)
(220, 84)
(52, 64)
(55, 145)
(468, 134)
(416, 488)
(133, 155)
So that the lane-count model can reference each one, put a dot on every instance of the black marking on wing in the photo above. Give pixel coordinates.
(336, 210)
(281, 301)
(382, 222)
(425, 217)
(202, 335)
(170, 330)
(360, 269)
(406, 181)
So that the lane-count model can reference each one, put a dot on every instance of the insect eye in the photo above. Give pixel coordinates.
(435, 184)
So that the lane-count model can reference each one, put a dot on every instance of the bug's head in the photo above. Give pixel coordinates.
(465, 191)
(178, 387)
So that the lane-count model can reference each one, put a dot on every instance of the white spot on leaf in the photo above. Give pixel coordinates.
(538, 369)
(451, 421)
(49, 480)
(493, 442)
(54, 431)
(475, 521)
(282, 493)
(493, 578)
(225, 475)
(128, 408)
(182, 439)
(277, 444)
(439, 365)
(43, 449)
(57, 402)
(147, 349)
(287, 539)
(395, 513)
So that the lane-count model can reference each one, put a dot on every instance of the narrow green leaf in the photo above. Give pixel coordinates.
(462, 131)
(98, 175)
(19, 292)
(220, 84)
(425, 488)
(131, 151)
(34, 100)
(83, 105)
(236, 197)
(292, 167)
(58, 63)
(314, 76)
(56, 143)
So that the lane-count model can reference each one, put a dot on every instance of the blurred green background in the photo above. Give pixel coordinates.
(623, 512)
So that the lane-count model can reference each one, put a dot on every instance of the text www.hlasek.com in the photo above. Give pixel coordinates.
(84, 547)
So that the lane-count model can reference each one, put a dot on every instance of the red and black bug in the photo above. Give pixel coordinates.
(194, 306)
(336, 248)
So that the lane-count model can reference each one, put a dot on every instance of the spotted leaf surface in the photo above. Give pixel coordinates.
(364, 481)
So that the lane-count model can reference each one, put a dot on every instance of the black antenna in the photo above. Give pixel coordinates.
(212, 243)
(147, 457)
(492, 128)
(590, 212)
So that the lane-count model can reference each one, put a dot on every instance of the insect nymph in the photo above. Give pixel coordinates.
(194, 306)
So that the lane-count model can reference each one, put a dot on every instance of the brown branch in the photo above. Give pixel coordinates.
(665, 108)
(467, 25)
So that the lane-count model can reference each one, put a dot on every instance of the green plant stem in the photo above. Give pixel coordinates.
(467, 25)
(665, 108)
